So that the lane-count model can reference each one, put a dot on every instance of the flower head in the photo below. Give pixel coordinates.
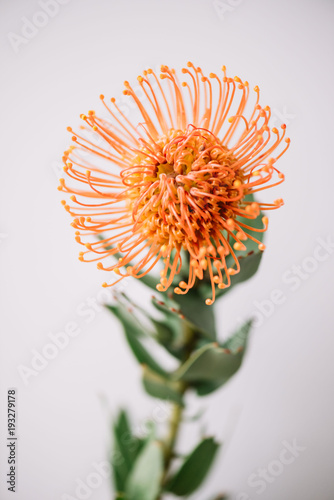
(175, 186)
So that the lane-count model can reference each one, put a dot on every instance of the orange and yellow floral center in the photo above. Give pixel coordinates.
(192, 186)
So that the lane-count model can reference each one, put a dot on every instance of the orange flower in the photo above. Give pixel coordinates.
(174, 186)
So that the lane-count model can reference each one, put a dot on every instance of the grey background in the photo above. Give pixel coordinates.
(284, 390)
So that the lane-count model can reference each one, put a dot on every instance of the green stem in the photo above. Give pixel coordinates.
(174, 426)
(177, 410)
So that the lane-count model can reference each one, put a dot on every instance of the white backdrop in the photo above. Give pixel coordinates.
(283, 394)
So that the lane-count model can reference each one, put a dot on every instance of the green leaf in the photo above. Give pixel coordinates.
(197, 313)
(189, 310)
(119, 473)
(170, 336)
(249, 265)
(161, 388)
(126, 315)
(174, 318)
(164, 334)
(144, 480)
(127, 442)
(126, 446)
(167, 332)
(133, 331)
(194, 469)
(176, 322)
(150, 281)
(212, 365)
(205, 388)
(236, 344)
(209, 363)
(238, 341)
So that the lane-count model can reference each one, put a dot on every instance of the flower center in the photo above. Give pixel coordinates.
(182, 187)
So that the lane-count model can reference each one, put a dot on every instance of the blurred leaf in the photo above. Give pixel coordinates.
(161, 388)
(239, 339)
(194, 469)
(169, 334)
(150, 281)
(133, 332)
(167, 331)
(126, 446)
(174, 317)
(119, 474)
(210, 363)
(125, 313)
(215, 364)
(237, 344)
(190, 310)
(144, 480)
(205, 388)
(177, 324)
(196, 311)
(163, 332)
(127, 442)
(249, 265)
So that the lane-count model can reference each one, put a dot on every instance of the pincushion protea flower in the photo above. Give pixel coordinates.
(174, 186)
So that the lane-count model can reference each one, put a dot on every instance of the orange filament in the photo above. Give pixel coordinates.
(175, 185)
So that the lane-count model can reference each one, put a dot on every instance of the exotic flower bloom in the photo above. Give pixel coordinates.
(174, 186)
